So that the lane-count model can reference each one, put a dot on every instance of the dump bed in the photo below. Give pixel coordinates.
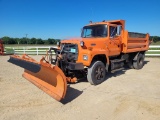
(134, 42)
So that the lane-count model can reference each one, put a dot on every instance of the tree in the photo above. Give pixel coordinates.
(40, 41)
(33, 41)
(156, 38)
(23, 41)
(5, 39)
(17, 40)
(50, 40)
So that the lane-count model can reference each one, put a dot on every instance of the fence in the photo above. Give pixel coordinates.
(28, 50)
(153, 51)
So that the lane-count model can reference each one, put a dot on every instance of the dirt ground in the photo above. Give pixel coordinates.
(125, 95)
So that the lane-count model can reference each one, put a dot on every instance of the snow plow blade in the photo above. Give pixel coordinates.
(45, 76)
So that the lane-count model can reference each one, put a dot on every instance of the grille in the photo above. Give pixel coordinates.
(70, 51)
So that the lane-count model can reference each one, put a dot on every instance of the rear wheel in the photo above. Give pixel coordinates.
(139, 62)
(96, 73)
(130, 64)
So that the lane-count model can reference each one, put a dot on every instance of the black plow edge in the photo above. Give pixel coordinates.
(33, 67)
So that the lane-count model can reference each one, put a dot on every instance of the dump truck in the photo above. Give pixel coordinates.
(103, 46)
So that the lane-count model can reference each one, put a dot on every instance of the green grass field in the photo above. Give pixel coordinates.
(148, 52)
(157, 43)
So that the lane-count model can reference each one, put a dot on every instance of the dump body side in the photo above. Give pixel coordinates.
(134, 42)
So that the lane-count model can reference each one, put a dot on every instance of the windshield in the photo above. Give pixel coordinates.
(94, 31)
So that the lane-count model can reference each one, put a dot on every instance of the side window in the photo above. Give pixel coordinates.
(113, 31)
(119, 29)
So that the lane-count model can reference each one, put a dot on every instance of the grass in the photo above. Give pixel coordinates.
(152, 52)
(38, 49)
(156, 43)
(154, 48)
(9, 50)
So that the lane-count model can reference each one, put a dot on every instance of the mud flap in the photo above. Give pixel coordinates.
(45, 76)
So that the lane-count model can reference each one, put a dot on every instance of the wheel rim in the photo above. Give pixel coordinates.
(99, 73)
(141, 59)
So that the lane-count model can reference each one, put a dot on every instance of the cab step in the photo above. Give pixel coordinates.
(116, 70)
(117, 64)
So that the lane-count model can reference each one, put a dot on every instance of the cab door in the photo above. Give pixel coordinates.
(115, 39)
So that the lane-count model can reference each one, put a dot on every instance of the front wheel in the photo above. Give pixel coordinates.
(96, 73)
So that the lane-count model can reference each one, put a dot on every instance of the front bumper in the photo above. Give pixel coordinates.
(75, 66)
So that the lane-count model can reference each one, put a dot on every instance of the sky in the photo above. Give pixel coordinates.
(60, 19)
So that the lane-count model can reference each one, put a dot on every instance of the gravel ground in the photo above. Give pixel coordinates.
(125, 95)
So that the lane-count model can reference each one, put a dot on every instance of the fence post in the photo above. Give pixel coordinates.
(13, 50)
(37, 50)
(24, 50)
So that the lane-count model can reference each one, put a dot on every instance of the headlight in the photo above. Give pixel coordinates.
(85, 57)
(81, 43)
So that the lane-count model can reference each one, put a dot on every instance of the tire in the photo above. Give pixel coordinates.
(139, 62)
(130, 64)
(96, 73)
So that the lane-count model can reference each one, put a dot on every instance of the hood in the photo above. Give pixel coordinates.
(72, 40)
(88, 42)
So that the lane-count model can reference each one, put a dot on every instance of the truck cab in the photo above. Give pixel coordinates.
(107, 33)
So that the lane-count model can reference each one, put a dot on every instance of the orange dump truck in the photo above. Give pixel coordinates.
(103, 46)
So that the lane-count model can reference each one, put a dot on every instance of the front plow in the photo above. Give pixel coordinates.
(45, 76)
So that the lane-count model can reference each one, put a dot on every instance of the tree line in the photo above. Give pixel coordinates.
(24, 40)
(155, 38)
